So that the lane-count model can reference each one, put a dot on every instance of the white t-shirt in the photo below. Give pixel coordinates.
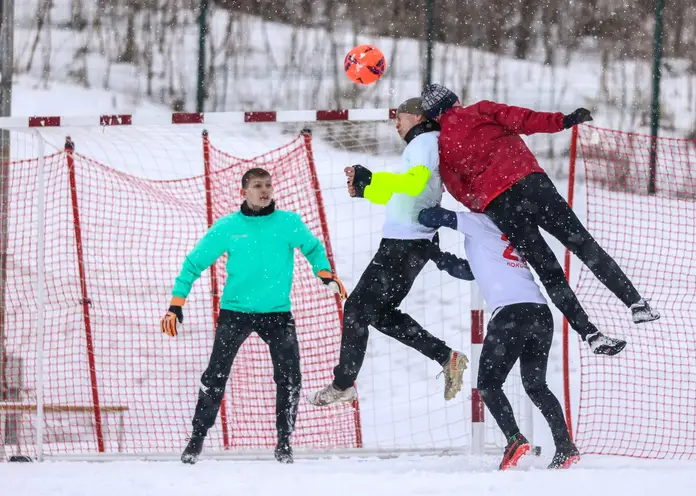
(402, 210)
(503, 277)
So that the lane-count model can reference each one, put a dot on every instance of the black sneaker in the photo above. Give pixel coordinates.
(603, 345)
(193, 449)
(517, 447)
(565, 457)
(283, 451)
(643, 313)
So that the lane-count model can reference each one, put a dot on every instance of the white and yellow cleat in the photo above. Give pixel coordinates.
(330, 395)
(453, 370)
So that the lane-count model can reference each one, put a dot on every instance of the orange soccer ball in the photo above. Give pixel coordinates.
(364, 64)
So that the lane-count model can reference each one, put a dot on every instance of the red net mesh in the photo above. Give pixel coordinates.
(641, 402)
(112, 381)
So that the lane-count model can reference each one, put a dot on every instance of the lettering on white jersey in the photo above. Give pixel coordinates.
(502, 275)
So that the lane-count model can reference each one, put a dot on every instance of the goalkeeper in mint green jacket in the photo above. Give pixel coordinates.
(260, 242)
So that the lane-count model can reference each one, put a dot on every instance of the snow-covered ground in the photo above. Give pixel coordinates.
(406, 476)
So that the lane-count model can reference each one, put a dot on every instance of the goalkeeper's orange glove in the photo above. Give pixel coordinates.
(174, 317)
(333, 282)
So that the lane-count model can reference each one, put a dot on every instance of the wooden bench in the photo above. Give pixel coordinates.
(7, 407)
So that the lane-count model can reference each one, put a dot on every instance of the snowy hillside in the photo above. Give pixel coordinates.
(257, 65)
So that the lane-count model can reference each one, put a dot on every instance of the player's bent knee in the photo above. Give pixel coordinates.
(537, 388)
(289, 379)
(487, 394)
(210, 393)
(360, 313)
(355, 321)
(487, 385)
(212, 381)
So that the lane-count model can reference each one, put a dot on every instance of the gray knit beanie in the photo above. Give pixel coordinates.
(437, 99)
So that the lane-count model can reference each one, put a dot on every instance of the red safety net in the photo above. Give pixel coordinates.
(641, 402)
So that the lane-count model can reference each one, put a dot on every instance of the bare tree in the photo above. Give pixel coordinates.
(78, 21)
(42, 14)
(129, 55)
(46, 54)
(148, 52)
(524, 37)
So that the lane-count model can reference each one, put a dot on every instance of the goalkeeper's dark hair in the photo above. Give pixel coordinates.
(253, 173)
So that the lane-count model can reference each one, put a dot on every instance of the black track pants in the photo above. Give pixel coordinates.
(375, 301)
(523, 331)
(534, 203)
(233, 328)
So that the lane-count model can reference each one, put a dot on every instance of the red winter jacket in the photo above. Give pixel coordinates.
(481, 152)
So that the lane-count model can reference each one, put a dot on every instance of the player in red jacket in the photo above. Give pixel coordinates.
(485, 164)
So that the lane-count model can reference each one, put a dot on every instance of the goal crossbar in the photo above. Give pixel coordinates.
(24, 122)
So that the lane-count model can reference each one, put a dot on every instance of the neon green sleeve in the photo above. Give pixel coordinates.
(384, 184)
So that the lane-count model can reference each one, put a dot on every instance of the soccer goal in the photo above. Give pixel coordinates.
(639, 195)
(97, 216)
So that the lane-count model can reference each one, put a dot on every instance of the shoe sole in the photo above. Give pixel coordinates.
(567, 463)
(337, 402)
(610, 350)
(457, 377)
(643, 321)
(515, 458)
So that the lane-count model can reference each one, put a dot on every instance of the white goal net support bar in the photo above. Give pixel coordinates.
(97, 216)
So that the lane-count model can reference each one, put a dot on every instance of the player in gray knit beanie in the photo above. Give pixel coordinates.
(437, 99)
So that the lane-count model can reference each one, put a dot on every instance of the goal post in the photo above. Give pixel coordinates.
(93, 252)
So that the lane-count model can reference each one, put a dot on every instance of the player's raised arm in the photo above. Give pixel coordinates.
(520, 120)
(378, 187)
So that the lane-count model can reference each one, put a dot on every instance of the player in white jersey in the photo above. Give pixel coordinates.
(403, 252)
(521, 327)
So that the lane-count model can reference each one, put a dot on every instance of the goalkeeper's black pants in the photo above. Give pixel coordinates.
(523, 331)
(533, 203)
(375, 300)
(278, 331)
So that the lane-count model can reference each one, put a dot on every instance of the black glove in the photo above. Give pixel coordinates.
(363, 178)
(453, 265)
(168, 324)
(334, 283)
(448, 262)
(437, 217)
(178, 311)
(578, 117)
